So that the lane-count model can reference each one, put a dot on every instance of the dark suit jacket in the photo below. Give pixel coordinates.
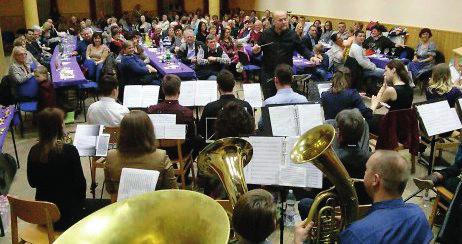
(211, 111)
(306, 41)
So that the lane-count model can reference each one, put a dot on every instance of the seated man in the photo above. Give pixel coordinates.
(211, 61)
(357, 52)
(311, 38)
(389, 220)
(448, 177)
(226, 82)
(133, 70)
(283, 81)
(187, 52)
(351, 127)
(107, 111)
(81, 49)
(254, 217)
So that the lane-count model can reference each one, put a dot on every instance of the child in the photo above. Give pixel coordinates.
(46, 89)
(321, 61)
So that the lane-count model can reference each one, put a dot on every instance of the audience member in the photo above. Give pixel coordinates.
(202, 32)
(107, 111)
(379, 43)
(336, 52)
(18, 67)
(31, 61)
(311, 39)
(342, 31)
(213, 60)
(47, 97)
(143, 26)
(254, 217)
(136, 148)
(96, 54)
(283, 82)
(327, 32)
(188, 51)
(82, 45)
(321, 60)
(133, 70)
(424, 57)
(357, 52)
(226, 82)
(440, 85)
(340, 96)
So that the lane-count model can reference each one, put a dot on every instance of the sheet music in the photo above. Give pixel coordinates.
(134, 182)
(175, 131)
(102, 145)
(85, 139)
(322, 87)
(159, 131)
(150, 95)
(133, 96)
(267, 157)
(187, 93)
(309, 116)
(292, 175)
(162, 118)
(438, 118)
(283, 121)
(206, 91)
(252, 94)
(313, 176)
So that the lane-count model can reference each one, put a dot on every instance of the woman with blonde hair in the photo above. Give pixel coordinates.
(441, 86)
(340, 96)
(136, 148)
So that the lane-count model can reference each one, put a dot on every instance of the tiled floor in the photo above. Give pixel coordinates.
(21, 188)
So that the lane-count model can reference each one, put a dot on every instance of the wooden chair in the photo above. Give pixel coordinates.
(183, 162)
(449, 143)
(99, 162)
(41, 216)
(438, 205)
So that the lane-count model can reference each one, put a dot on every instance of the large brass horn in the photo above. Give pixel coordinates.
(156, 217)
(315, 146)
(227, 158)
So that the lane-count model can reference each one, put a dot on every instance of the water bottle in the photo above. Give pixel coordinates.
(200, 53)
(290, 214)
(5, 212)
(168, 56)
(161, 46)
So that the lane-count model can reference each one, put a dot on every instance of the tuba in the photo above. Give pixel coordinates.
(315, 146)
(227, 158)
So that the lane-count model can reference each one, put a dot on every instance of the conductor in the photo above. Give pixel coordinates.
(277, 45)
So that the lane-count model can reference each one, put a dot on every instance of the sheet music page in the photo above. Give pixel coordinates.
(85, 139)
(150, 96)
(300, 175)
(134, 182)
(309, 116)
(283, 121)
(187, 93)
(162, 118)
(439, 118)
(172, 131)
(322, 87)
(252, 94)
(266, 159)
(102, 145)
(133, 96)
(159, 131)
(206, 91)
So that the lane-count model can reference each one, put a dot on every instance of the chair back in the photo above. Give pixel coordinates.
(439, 57)
(356, 72)
(114, 134)
(34, 212)
(8, 89)
(28, 90)
(399, 126)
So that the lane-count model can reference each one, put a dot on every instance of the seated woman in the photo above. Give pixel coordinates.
(136, 148)
(144, 26)
(133, 70)
(441, 86)
(254, 217)
(169, 39)
(55, 170)
(97, 52)
(337, 52)
(31, 61)
(18, 67)
(395, 92)
(340, 96)
(424, 56)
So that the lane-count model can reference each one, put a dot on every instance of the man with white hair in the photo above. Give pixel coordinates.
(189, 49)
(278, 45)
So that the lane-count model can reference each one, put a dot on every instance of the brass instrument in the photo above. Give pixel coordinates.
(227, 158)
(315, 146)
(160, 217)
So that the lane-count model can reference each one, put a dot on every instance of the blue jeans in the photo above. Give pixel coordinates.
(94, 70)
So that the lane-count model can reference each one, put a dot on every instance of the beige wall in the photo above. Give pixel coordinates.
(443, 15)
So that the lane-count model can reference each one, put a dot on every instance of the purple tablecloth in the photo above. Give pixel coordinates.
(382, 61)
(5, 121)
(300, 63)
(69, 63)
(175, 67)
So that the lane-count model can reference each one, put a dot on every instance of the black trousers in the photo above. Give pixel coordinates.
(267, 83)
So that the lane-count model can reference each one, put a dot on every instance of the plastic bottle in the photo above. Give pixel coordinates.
(161, 46)
(5, 212)
(290, 213)
(200, 53)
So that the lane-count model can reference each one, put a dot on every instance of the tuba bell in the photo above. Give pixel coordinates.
(226, 158)
(315, 146)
